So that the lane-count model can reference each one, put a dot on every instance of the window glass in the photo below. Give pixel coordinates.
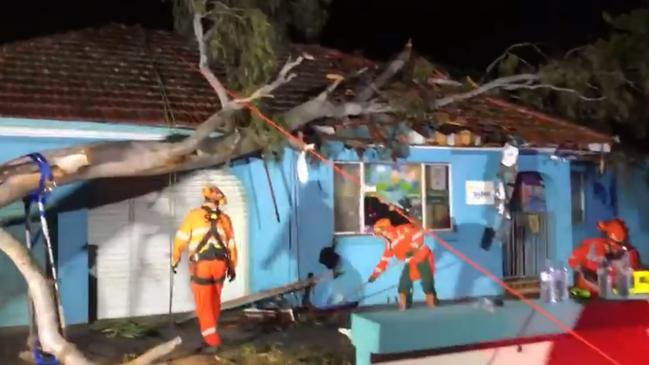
(438, 208)
(347, 197)
(399, 184)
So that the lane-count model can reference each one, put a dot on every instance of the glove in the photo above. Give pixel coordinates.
(174, 268)
(372, 278)
(231, 275)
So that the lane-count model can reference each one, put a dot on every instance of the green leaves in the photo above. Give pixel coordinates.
(509, 65)
(614, 67)
(243, 42)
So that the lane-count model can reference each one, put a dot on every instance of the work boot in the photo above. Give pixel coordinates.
(431, 301)
(403, 302)
(208, 349)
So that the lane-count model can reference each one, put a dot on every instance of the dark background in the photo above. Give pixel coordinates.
(458, 32)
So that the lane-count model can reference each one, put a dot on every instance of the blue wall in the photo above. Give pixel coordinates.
(633, 207)
(69, 230)
(618, 192)
(278, 247)
(600, 198)
(287, 249)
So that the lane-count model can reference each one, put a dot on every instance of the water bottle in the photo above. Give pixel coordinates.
(485, 304)
(624, 275)
(604, 279)
(547, 284)
(561, 283)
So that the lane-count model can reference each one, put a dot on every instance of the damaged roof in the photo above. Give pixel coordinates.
(119, 74)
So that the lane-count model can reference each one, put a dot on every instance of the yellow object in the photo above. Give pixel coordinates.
(640, 282)
(214, 194)
(195, 227)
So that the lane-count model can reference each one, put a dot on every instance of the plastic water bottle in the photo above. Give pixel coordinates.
(561, 283)
(604, 279)
(547, 284)
(624, 275)
(485, 304)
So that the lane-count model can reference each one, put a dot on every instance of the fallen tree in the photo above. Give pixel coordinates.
(20, 177)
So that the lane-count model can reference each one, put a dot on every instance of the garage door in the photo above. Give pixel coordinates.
(134, 236)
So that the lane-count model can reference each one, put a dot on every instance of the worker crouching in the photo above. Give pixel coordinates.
(406, 243)
(592, 252)
(207, 234)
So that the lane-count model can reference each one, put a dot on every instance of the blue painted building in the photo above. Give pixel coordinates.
(112, 236)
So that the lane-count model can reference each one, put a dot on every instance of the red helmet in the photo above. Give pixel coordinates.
(615, 230)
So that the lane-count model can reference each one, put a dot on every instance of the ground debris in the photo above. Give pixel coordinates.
(125, 328)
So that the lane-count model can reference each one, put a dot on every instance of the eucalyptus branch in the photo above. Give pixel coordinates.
(266, 90)
(507, 52)
(203, 63)
(555, 88)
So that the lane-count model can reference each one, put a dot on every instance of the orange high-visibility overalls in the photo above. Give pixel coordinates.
(212, 252)
(587, 257)
(406, 243)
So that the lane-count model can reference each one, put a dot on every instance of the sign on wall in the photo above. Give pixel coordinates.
(480, 193)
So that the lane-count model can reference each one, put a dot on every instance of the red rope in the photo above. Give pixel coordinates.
(445, 244)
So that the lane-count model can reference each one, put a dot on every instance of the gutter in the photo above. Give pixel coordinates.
(42, 128)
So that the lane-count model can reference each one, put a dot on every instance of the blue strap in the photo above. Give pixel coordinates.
(46, 181)
(41, 358)
(45, 185)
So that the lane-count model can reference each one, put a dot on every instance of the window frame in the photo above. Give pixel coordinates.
(423, 175)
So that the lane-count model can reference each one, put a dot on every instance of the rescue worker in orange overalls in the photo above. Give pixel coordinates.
(406, 243)
(586, 258)
(207, 233)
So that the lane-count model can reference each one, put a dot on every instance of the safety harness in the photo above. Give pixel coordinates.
(46, 184)
(212, 253)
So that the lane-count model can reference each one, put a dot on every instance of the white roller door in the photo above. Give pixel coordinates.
(133, 239)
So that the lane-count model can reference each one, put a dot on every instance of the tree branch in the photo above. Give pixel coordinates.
(46, 315)
(19, 177)
(283, 77)
(495, 84)
(203, 62)
(393, 68)
(555, 88)
(507, 52)
(322, 107)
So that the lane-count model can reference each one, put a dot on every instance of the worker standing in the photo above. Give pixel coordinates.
(207, 233)
(406, 243)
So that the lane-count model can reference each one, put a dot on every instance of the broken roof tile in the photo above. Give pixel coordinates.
(113, 74)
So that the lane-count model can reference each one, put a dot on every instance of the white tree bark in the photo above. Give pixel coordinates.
(46, 315)
(120, 159)
(20, 177)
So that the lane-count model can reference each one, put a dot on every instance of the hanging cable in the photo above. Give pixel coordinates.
(172, 178)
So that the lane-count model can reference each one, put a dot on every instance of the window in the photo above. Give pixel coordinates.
(529, 193)
(422, 190)
(578, 199)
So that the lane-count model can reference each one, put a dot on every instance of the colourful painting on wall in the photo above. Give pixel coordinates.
(398, 184)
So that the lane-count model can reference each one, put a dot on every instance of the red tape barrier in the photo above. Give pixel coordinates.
(445, 244)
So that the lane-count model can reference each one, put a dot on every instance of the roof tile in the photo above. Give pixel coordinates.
(111, 73)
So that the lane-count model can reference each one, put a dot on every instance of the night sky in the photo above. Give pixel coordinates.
(456, 32)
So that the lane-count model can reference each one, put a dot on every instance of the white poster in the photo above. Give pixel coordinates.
(480, 193)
